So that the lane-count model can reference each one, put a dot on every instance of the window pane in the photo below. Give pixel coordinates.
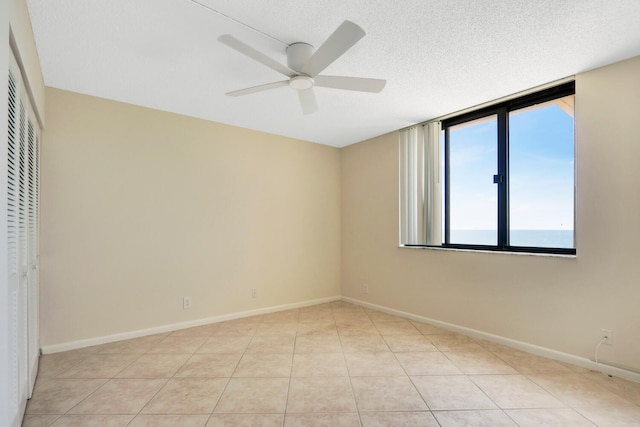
(541, 168)
(473, 202)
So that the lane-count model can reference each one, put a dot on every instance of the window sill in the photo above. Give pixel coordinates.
(537, 254)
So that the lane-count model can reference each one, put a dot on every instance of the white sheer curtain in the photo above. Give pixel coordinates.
(420, 186)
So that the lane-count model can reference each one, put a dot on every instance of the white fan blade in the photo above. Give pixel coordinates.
(256, 55)
(345, 36)
(350, 83)
(259, 88)
(308, 101)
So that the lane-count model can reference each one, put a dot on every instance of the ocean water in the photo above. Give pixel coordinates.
(532, 238)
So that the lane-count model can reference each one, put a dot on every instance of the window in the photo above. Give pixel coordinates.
(507, 177)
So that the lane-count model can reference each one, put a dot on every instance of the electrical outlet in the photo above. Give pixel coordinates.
(365, 288)
(607, 335)
(254, 293)
(186, 303)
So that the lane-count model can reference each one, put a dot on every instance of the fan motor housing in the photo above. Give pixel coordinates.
(297, 55)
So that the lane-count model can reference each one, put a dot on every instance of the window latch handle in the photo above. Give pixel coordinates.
(498, 179)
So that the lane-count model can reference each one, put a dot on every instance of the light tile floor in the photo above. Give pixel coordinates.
(335, 365)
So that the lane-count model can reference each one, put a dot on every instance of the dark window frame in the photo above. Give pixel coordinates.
(501, 110)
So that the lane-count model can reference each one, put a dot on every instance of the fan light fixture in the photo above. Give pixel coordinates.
(301, 82)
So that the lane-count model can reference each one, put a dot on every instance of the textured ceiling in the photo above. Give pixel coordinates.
(437, 56)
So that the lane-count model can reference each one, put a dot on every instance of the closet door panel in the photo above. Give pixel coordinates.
(23, 197)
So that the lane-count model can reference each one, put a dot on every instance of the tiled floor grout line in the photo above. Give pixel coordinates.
(426, 404)
(147, 352)
(353, 394)
(502, 410)
(232, 372)
(286, 399)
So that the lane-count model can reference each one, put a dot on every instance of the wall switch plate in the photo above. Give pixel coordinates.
(254, 292)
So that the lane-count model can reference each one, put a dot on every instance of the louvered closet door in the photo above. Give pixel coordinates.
(23, 266)
(33, 210)
(23, 185)
(17, 292)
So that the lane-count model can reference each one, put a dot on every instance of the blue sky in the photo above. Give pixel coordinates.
(541, 170)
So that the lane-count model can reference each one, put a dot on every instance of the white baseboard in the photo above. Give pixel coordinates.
(74, 345)
(519, 345)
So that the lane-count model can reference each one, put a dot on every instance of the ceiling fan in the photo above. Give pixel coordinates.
(304, 64)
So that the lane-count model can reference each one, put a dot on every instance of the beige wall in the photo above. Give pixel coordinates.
(557, 303)
(141, 208)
